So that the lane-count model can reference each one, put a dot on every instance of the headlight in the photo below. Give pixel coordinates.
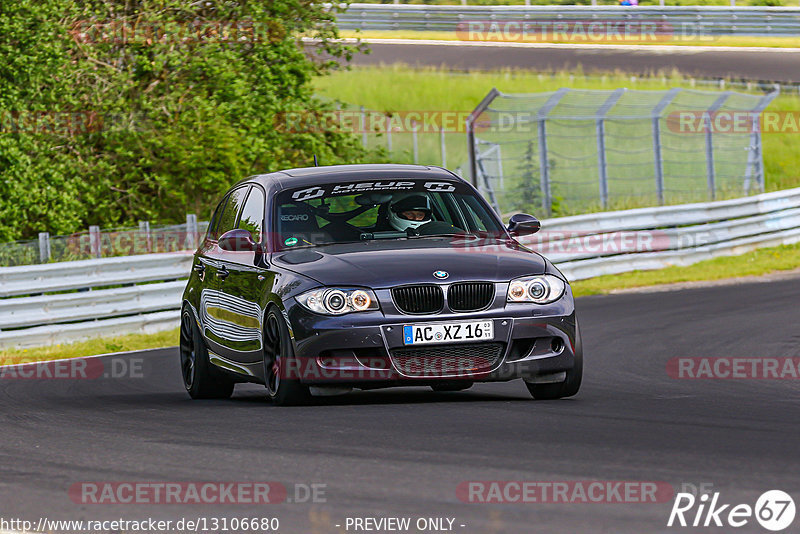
(338, 301)
(542, 289)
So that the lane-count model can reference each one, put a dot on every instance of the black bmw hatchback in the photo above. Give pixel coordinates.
(319, 280)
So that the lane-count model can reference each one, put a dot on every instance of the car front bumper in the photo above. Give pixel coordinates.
(366, 349)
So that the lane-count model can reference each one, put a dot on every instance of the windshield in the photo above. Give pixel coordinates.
(387, 209)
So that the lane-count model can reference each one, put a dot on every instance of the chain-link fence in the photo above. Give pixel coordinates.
(573, 151)
(97, 243)
(413, 136)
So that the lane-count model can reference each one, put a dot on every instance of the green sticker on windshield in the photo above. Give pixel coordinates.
(292, 241)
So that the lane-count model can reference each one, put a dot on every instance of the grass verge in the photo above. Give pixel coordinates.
(91, 347)
(756, 263)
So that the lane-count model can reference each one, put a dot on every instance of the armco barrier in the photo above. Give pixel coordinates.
(673, 235)
(64, 276)
(149, 300)
(681, 22)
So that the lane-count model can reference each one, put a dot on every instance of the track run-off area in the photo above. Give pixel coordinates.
(750, 63)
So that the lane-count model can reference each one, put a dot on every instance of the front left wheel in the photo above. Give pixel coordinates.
(200, 378)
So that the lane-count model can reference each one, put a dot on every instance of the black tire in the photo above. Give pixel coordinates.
(452, 386)
(200, 378)
(278, 354)
(570, 385)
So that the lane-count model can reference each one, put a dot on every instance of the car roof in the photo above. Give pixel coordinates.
(308, 176)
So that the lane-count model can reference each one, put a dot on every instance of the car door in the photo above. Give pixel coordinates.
(218, 323)
(206, 267)
(242, 292)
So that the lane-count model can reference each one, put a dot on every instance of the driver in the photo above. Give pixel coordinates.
(409, 212)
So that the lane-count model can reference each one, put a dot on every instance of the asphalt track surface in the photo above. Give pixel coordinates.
(703, 62)
(403, 452)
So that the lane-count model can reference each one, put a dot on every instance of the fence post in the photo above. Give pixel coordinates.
(710, 171)
(602, 167)
(755, 155)
(601, 162)
(44, 247)
(144, 230)
(94, 241)
(363, 127)
(444, 148)
(470, 126)
(191, 231)
(658, 160)
(544, 168)
(416, 144)
(388, 133)
(544, 164)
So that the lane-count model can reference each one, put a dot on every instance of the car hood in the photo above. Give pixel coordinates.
(387, 263)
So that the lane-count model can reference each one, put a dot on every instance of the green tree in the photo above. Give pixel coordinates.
(119, 110)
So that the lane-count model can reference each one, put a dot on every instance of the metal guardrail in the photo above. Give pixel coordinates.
(149, 299)
(679, 215)
(582, 246)
(40, 336)
(596, 244)
(65, 276)
(685, 22)
(89, 305)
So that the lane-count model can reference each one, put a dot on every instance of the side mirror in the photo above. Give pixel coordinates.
(523, 224)
(237, 240)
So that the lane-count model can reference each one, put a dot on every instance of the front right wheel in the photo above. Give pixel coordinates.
(282, 388)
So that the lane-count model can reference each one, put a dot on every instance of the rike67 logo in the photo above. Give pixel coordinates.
(774, 510)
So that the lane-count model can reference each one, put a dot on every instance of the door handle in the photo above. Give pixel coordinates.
(222, 273)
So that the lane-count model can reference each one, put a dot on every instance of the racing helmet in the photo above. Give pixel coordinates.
(409, 212)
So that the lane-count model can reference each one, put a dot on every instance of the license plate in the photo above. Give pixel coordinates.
(418, 334)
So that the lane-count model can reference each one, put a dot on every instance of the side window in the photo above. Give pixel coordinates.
(476, 223)
(215, 219)
(253, 213)
(227, 221)
(476, 213)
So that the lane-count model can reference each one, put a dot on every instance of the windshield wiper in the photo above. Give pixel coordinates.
(457, 234)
